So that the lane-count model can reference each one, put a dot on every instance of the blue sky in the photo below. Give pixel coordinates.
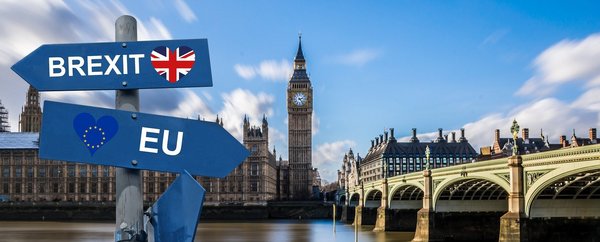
(373, 65)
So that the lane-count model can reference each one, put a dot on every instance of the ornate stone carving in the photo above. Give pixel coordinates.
(532, 176)
(436, 183)
(504, 176)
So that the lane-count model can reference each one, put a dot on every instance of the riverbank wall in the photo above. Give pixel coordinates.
(106, 211)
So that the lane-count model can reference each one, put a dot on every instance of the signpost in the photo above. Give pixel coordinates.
(174, 216)
(126, 138)
(117, 65)
(135, 140)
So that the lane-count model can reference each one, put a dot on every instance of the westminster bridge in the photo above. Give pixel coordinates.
(548, 196)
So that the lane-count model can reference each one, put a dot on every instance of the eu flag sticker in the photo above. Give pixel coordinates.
(94, 134)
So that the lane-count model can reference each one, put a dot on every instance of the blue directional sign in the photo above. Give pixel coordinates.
(136, 140)
(117, 65)
(175, 214)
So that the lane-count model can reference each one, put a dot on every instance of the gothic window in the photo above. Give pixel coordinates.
(42, 172)
(254, 169)
(105, 187)
(82, 187)
(29, 188)
(71, 170)
(254, 186)
(82, 171)
(42, 188)
(55, 187)
(5, 188)
(71, 187)
(18, 171)
(94, 187)
(5, 172)
(105, 171)
(30, 171)
(17, 187)
(94, 171)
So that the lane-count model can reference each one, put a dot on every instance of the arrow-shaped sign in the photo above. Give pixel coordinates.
(175, 214)
(117, 65)
(136, 140)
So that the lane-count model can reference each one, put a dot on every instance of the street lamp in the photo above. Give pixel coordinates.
(427, 153)
(515, 132)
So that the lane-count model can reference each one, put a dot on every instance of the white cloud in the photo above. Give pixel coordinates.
(328, 157)
(566, 61)
(246, 72)
(552, 115)
(358, 57)
(240, 102)
(316, 122)
(25, 28)
(277, 71)
(186, 12)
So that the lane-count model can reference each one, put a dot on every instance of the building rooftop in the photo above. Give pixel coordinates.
(19, 140)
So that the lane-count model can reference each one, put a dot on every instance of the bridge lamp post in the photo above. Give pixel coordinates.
(515, 132)
(427, 154)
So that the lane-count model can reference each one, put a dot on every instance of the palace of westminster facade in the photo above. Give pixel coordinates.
(259, 179)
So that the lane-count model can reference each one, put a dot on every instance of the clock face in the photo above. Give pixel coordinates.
(299, 99)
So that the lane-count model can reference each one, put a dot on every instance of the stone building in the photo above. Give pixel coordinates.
(578, 141)
(387, 157)
(348, 176)
(31, 115)
(502, 147)
(300, 108)
(258, 179)
(254, 181)
(25, 177)
(4, 125)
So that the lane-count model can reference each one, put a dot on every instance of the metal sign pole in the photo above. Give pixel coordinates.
(129, 181)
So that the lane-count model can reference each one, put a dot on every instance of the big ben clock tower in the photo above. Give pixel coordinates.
(300, 108)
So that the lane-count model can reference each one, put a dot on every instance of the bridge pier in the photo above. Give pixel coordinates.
(382, 212)
(358, 210)
(347, 214)
(513, 224)
(425, 217)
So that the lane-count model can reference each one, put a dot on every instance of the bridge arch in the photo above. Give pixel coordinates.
(483, 193)
(406, 196)
(354, 199)
(342, 200)
(373, 198)
(568, 191)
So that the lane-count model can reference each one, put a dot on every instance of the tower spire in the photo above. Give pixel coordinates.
(31, 116)
(299, 54)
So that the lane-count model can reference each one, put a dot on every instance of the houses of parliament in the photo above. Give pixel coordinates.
(262, 177)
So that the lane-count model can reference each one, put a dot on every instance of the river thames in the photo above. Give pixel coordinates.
(212, 231)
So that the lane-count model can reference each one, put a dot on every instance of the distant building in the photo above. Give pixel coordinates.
(387, 157)
(4, 124)
(349, 175)
(260, 178)
(31, 116)
(300, 109)
(576, 141)
(254, 181)
(502, 147)
(25, 177)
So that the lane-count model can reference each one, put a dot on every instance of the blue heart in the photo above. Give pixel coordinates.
(94, 134)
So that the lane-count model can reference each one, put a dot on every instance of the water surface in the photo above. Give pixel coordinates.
(211, 231)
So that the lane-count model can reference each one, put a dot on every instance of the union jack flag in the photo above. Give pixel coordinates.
(173, 65)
